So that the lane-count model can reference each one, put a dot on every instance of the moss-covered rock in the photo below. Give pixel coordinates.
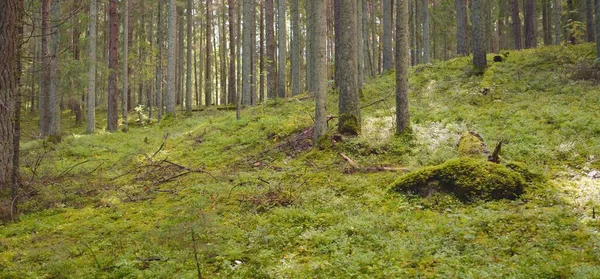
(471, 145)
(468, 179)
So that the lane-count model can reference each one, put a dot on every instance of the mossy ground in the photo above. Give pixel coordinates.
(93, 211)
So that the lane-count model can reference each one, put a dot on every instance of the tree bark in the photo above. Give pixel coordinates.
(558, 25)
(91, 94)
(158, 90)
(589, 19)
(45, 76)
(349, 106)
(125, 92)
(10, 41)
(246, 52)
(388, 56)
(597, 4)
(113, 42)
(235, 96)
(359, 43)
(425, 15)
(188, 80)
(282, 46)
(402, 65)
(479, 53)
(319, 40)
(462, 45)
(207, 69)
(295, 13)
(530, 31)
(516, 23)
(53, 96)
(170, 94)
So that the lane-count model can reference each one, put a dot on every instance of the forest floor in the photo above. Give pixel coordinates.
(251, 199)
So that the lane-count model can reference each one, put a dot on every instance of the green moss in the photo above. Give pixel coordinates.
(349, 125)
(469, 179)
(525, 172)
(471, 145)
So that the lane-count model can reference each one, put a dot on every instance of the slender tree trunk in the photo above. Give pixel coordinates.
(188, 80)
(10, 41)
(91, 94)
(113, 42)
(222, 54)
(530, 31)
(310, 24)
(235, 96)
(180, 57)
(516, 23)
(597, 5)
(359, 42)
(558, 25)
(125, 92)
(207, 70)
(158, 90)
(295, 47)
(462, 45)
(319, 52)
(547, 25)
(589, 19)
(402, 65)
(365, 33)
(170, 94)
(349, 106)
(281, 36)
(54, 96)
(247, 55)
(261, 51)
(388, 56)
(425, 15)
(45, 77)
(479, 53)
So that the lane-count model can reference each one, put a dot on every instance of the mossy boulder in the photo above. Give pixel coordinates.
(471, 145)
(469, 179)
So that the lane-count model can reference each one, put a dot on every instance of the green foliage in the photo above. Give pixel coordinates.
(469, 179)
(95, 207)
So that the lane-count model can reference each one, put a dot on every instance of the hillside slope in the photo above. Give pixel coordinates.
(251, 199)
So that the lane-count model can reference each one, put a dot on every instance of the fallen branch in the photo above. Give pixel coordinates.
(71, 168)
(162, 145)
(356, 167)
(378, 101)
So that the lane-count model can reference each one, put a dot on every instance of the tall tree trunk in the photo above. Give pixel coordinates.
(158, 90)
(232, 52)
(402, 65)
(295, 13)
(597, 5)
(349, 107)
(270, 40)
(188, 80)
(179, 61)
(366, 58)
(589, 19)
(462, 45)
(281, 36)
(388, 56)
(125, 92)
(309, 41)
(425, 15)
(530, 31)
(359, 42)
(222, 56)
(91, 92)
(558, 23)
(479, 53)
(10, 41)
(54, 96)
(45, 78)
(113, 43)
(261, 51)
(247, 54)
(207, 70)
(170, 94)
(516, 23)
(319, 52)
